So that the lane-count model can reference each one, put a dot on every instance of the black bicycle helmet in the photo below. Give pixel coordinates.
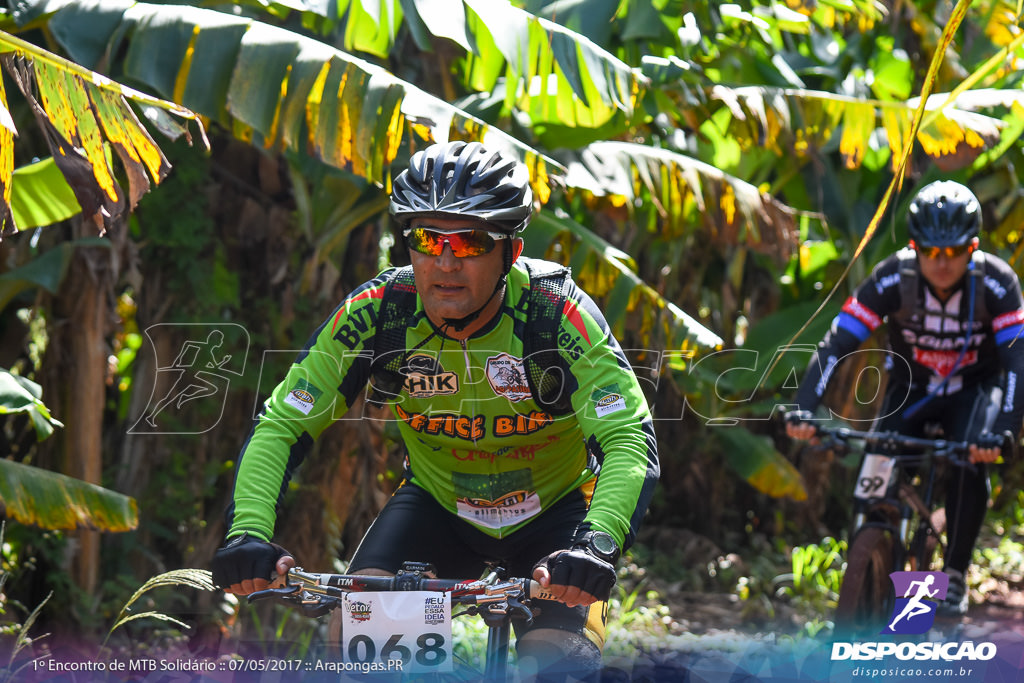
(944, 214)
(460, 180)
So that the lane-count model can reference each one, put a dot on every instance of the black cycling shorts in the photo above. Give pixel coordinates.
(414, 527)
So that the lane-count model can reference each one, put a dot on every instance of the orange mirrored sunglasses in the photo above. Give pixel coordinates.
(429, 240)
(948, 252)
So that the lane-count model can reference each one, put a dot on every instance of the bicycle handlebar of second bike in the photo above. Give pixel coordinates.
(942, 448)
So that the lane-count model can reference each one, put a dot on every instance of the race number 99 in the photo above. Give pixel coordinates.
(874, 477)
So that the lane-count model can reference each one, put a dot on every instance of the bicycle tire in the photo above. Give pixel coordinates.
(926, 550)
(866, 594)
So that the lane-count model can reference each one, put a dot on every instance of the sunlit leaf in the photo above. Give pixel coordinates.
(81, 112)
(755, 459)
(606, 272)
(41, 196)
(7, 133)
(286, 91)
(763, 117)
(733, 211)
(50, 500)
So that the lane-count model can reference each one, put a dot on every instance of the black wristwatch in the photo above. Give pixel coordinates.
(599, 544)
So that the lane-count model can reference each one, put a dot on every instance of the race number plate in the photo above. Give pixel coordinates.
(873, 480)
(407, 632)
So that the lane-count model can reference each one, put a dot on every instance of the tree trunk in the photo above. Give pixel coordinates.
(79, 337)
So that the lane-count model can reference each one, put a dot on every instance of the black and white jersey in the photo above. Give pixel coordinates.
(938, 346)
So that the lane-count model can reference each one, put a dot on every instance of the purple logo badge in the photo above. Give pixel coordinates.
(917, 596)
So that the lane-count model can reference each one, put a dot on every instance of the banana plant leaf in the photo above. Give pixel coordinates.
(46, 270)
(274, 87)
(686, 193)
(21, 395)
(41, 196)
(50, 500)
(604, 271)
(755, 459)
(81, 113)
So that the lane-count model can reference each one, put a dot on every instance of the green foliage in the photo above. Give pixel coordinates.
(812, 587)
(637, 616)
(176, 230)
(15, 641)
(21, 395)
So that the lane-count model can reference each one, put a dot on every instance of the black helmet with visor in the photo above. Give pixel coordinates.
(464, 180)
(944, 214)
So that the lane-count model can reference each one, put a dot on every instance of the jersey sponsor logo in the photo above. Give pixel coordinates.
(303, 396)
(572, 314)
(862, 313)
(496, 500)
(1008, 319)
(993, 286)
(510, 509)
(608, 400)
(887, 282)
(470, 428)
(513, 425)
(359, 324)
(425, 377)
(527, 452)
(571, 344)
(943, 362)
(507, 377)
(930, 341)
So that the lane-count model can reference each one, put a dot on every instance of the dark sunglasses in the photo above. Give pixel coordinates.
(429, 240)
(948, 252)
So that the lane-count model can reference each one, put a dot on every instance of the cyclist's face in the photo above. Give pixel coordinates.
(943, 270)
(453, 287)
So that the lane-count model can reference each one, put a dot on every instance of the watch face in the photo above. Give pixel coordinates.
(603, 543)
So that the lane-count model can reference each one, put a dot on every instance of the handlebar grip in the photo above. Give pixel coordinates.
(538, 592)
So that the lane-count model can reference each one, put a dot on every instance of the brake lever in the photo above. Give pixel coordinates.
(282, 593)
(515, 606)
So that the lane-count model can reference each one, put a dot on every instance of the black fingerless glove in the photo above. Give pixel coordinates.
(244, 557)
(580, 569)
(1002, 440)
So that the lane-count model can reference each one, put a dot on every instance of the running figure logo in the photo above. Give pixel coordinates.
(917, 595)
(199, 376)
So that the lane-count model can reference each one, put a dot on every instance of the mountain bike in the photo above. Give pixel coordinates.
(496, 598)
(897, 524)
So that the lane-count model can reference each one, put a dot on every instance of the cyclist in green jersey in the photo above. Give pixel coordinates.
(493, 472)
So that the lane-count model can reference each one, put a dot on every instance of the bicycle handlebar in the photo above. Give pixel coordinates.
(940, 448)
(318, 593)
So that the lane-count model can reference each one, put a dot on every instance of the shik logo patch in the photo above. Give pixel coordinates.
(507, 377)
(425, 377)
(917, 596)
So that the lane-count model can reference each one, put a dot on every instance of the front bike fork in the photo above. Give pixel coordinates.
(496, 668)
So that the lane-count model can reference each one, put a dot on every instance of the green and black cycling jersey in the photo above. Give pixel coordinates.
(476, 439)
